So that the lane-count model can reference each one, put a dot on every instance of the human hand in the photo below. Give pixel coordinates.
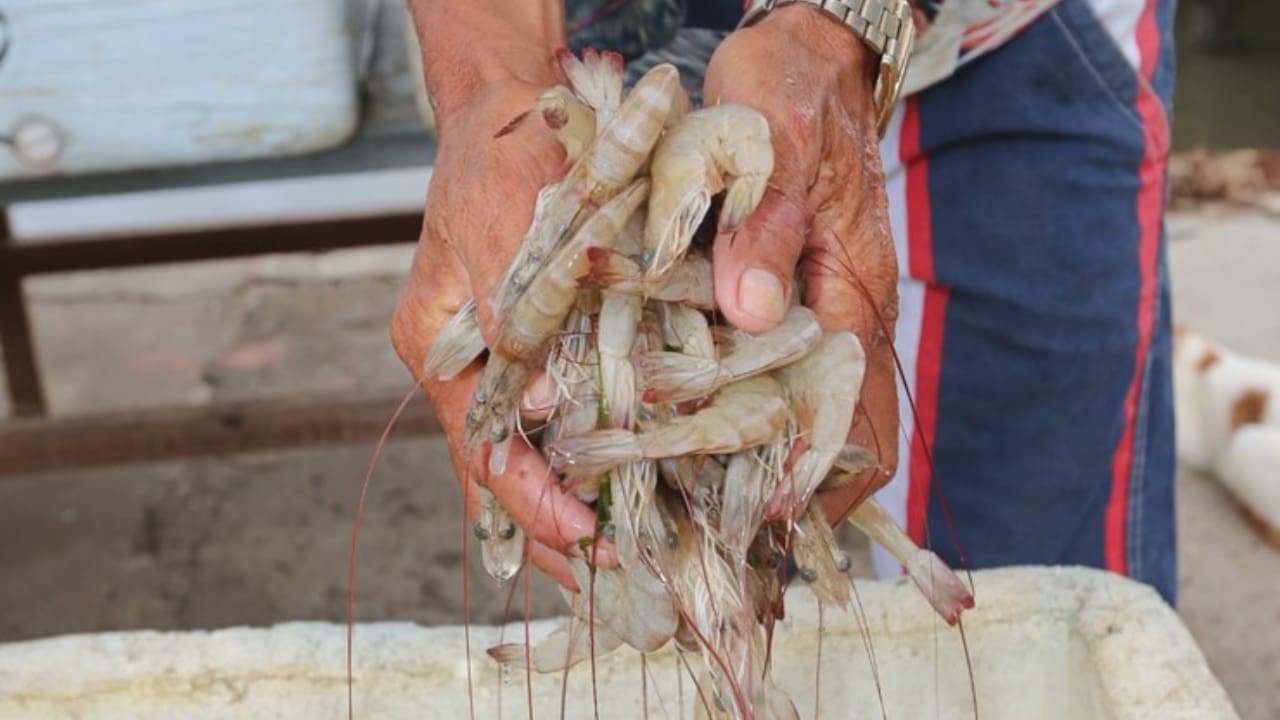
(825, 214)
(479, 206)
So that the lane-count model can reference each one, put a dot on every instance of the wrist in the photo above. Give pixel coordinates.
(811, 27)
(470, 48)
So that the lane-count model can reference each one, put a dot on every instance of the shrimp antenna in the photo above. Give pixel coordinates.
(355, 538)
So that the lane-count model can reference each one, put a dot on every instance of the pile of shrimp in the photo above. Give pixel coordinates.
(700, 447)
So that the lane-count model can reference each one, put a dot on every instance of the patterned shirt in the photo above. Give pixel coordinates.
(949, 33)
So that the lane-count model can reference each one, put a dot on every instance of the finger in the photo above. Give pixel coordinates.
(755, 264)
(553, 564)
(536, 501)
(540, 504)
(527, 488)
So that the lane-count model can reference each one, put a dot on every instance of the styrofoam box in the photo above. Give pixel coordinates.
(1046, 643)
(89, 86)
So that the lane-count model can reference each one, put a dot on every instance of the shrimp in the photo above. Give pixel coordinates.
(690, 165)
(688, 283)
(818, 561)
(675, 377)
(501, 540)
(619, 316)
(608, 166)
(939, 585)
(525, 333)
(596, 78)
(749, 480)
(573, 120)
(457, 345)
(740, 416)
(687, 330)
(823, 389)
(564, 647)
(631, 603)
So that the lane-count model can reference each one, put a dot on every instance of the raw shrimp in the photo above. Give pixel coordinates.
(596, 78)
(740, 416)
(616, 334)
(688, 283)
(818, 561)
(675, 377)
(690, 165)
(749, 480)
(687, 330)
(457, 345)
(941, 587)
(501, 540)
(631, 602)
(524, 335)
(823, 389)
(573, 120)
(610, 164)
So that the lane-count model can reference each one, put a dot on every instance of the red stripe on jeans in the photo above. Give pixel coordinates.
(929, 351)
(1150, 211)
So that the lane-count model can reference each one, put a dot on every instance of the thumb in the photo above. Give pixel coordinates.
(755, 263)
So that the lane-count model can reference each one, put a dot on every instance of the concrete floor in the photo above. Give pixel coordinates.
(262, 538)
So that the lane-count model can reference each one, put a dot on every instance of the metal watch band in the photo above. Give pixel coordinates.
(885, 25)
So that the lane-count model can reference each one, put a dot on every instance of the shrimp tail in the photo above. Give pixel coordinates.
(596, 77)
(939, 584)
(855, 459)
(668, 375)
(563, 648)
(457, 345)
(608, 268)
(599, 449)
(620, 390)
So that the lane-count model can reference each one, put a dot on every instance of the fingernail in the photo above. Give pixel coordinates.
(760, 295)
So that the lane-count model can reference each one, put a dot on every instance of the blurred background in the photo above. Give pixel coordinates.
(206, 213)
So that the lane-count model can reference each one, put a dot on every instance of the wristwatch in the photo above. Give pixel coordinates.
(885, 25)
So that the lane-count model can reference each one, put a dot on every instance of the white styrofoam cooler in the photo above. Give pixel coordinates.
(89, 86)
(1046, 643)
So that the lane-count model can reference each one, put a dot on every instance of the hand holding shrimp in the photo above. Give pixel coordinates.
(671, 395)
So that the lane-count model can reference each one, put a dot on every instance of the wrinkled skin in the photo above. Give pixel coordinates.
(825, 213)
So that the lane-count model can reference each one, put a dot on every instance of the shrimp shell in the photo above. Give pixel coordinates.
(675, 377)
(944, 590)
(612, 161)
(823, 389)
(740, 416)
(457, 346)
(816, 558)
(689, 283)
(689, 167)
(501, 539)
